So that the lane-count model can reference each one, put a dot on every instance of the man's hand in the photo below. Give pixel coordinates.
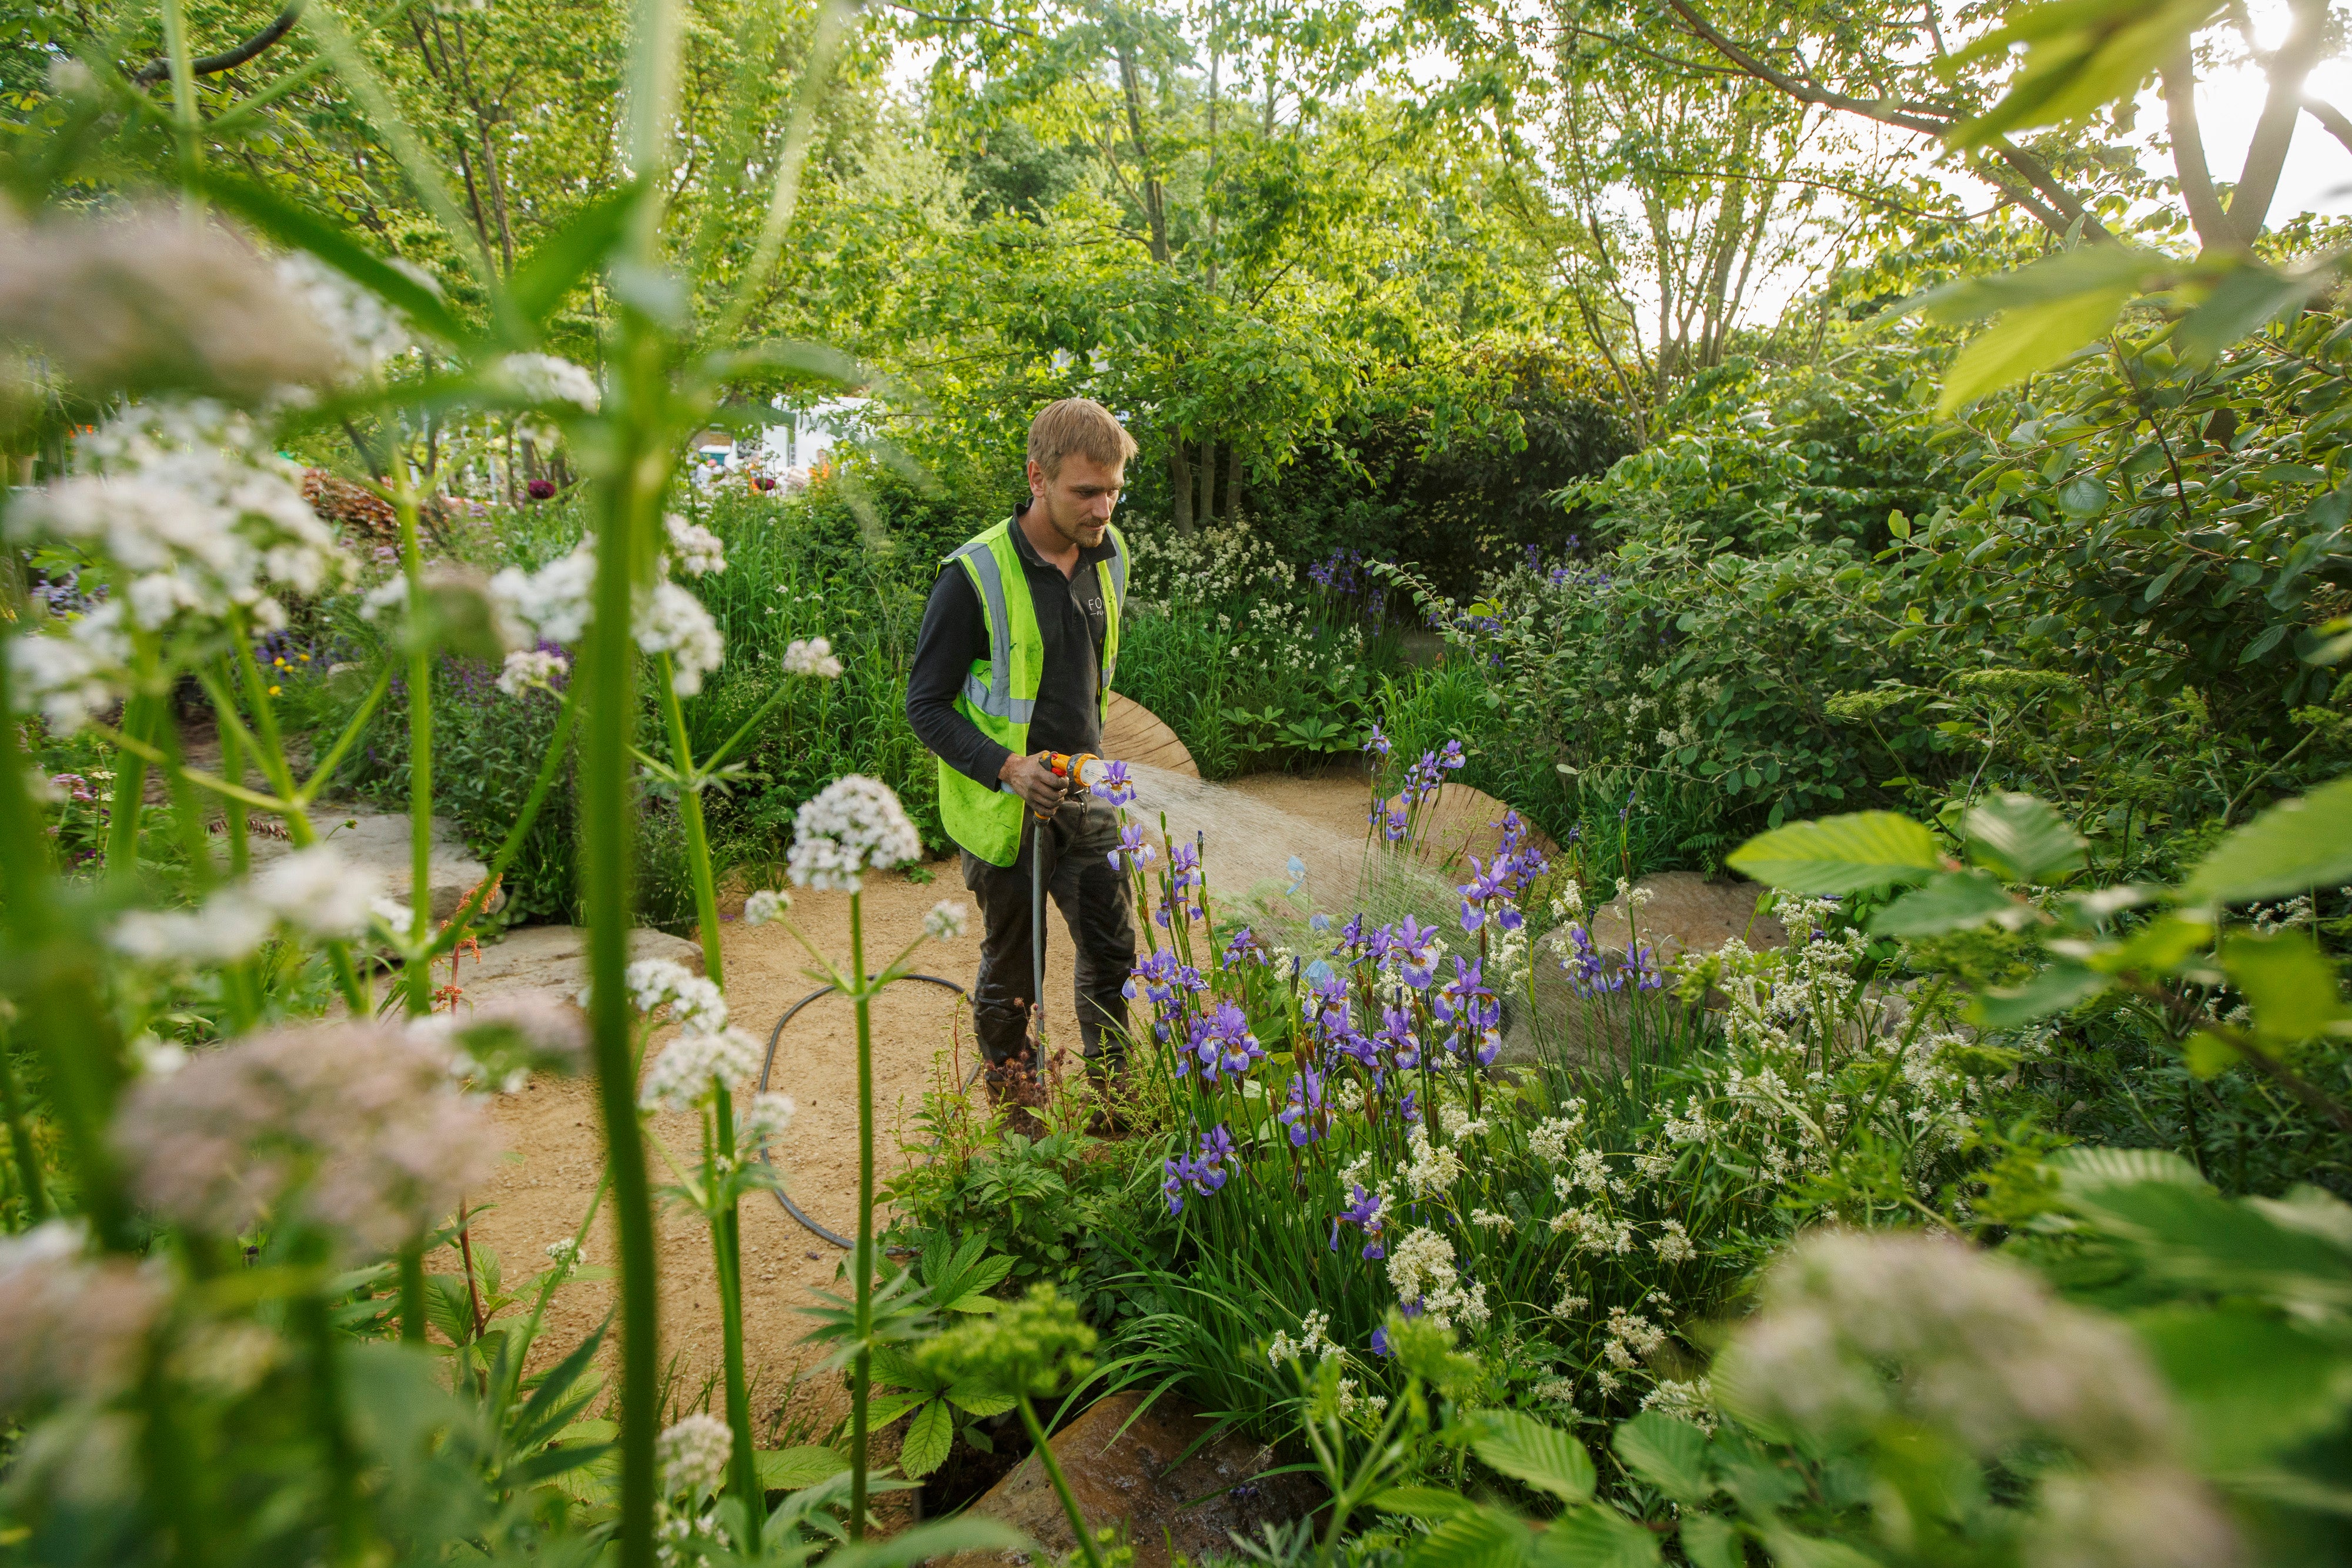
(1043, 789)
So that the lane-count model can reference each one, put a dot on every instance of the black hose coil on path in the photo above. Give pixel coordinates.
(768, 1065)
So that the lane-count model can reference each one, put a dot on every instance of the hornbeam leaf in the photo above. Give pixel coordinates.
(1840, 854)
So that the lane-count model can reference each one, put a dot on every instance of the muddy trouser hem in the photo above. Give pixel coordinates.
(1097, 905)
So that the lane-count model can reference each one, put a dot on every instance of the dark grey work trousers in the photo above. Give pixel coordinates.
(1097, 906)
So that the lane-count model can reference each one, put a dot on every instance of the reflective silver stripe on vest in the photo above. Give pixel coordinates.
(1119, 571)
(993, 696)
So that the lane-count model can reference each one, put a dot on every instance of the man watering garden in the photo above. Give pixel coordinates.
(1013, 664)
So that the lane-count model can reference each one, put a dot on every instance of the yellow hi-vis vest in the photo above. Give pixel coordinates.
(999, 694)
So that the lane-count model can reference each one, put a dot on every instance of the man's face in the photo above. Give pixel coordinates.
(1078, 501)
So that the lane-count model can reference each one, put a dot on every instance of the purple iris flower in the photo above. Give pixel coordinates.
(1376, 744)
(1365, 1214)
(1418, 943)
(1244, 949)
(1303, 1114)
(1381, 1342)
(1451, 757)
(1396, 1034)
(1134, 849)
(1222, 1043)
(1114, 786)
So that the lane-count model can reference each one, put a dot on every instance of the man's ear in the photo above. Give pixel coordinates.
(1036, 471)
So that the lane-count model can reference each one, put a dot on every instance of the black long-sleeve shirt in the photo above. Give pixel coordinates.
(1072, 622)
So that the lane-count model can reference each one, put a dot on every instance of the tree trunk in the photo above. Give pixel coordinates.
(1233, 480)
(1208, 482)
(1179, 483)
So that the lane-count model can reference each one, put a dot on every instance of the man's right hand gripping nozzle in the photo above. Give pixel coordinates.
(1034, 782)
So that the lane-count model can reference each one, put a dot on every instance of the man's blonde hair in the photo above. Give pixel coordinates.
(1078, 424)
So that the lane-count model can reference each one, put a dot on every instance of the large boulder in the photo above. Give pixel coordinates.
(377, 844)
(554, 959)
(1123, 1469)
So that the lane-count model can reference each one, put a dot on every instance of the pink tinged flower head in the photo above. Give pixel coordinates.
(355, 1130)
(70, 1324)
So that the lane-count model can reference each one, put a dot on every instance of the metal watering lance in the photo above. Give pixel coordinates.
(1085, 770)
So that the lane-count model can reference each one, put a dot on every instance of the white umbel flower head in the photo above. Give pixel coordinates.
(73, 673)
(673, 621)
(545, 379)
(853, 825)
(814, 657)
(694, 1064)
(946, 921)
(693, 1456)
(316, 892)
(693, 1000)
(557, 600)
(532, 670)
(768, 904)
(363, 330)
(766, 1116)
(693, 549)
(226, 928)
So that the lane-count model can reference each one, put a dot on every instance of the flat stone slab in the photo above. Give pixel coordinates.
(1123, 1477)
(554, 959)
(376, 843)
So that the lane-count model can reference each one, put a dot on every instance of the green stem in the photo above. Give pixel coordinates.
(1092, 1553)
(185, 123)
(20, 1137)
(861, 1375)
(726, 1253)
(233, 810)
(419, 976)
(698, 837)
(323, 773)
(608, 660)
(130, 795)
(271, 755)
(549, 766)
(347, 1520)
(411, 1294)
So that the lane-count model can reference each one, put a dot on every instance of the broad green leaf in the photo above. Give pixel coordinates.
(303, 230)
(981, 1401)
(2055, 279)
(2156, 948)
(1950, 900)
(1670, 1455)
(1596, 1537)
(2291, 987)
(2249, 1385)
(558, 265)
(1790, 1549)
(2248, 297)
(1709, 1541)
(1482, 1538)
(2084, 497)
(2021, 839)
(1423, 1502)
(2080, 56)
(2054, 990)
(2207, 1055)
(2087, 1167)
(2295, 846)
(2030, 338)
(1840, 854)
(789, 1469)
(928, 1436)
(1525, 1449)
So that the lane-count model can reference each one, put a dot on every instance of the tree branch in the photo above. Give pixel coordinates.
(2332, 119)
(2250, 203)
(158, 68)
(2205, 211)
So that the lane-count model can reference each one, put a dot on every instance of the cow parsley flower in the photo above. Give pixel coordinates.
(854, 824)
(351, 1128)
(693, 1001)
(545, 379)
(946, 921)
(74, 670)
(694, 1455)
(363, 330)
(532, 669)
(767, 905)
(693, 549)
(767, 1115)
(316, 892)
(813, 657)
(694, 1064)
(674, 621)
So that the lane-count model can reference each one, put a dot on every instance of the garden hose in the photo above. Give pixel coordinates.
(768, 1065)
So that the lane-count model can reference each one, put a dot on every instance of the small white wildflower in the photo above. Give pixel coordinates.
(396, 916)
(1571, 1306)
(228, 928)
(364, 330)
(693, 549)
(1550, 1140)
(946, 921)
(693, 1456)
(383, 603)
(693, 1000)
(674, 621)
(694, 1064)
(543, 377)
(566, 1254)
(812, 657)
(1673, 1243)
(532, 669)
(853, 825)
(767, 905)
(767, 1115)
(316, 892)
(1488, 1220)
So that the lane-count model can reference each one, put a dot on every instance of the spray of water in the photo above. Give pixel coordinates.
(1249, 847)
